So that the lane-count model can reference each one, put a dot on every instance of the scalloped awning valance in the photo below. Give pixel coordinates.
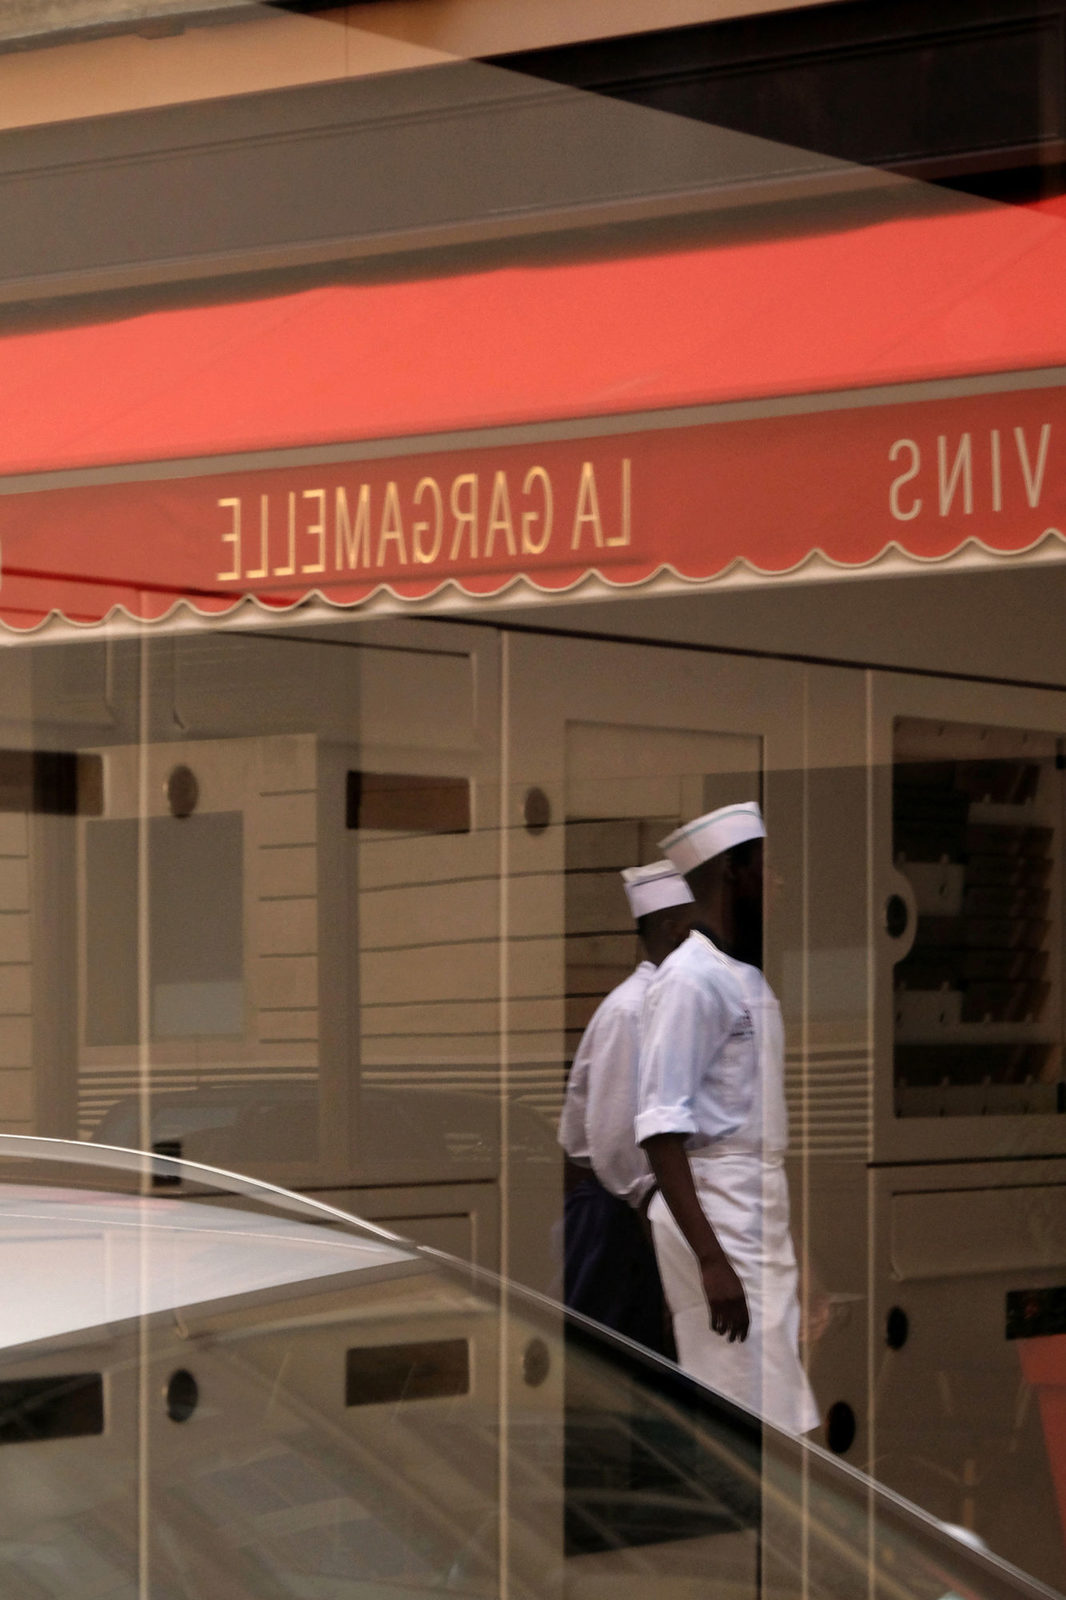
(890, 389)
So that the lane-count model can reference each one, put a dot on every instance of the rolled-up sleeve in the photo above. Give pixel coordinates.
(685, 1042)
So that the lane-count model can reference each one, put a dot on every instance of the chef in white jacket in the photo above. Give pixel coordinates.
(609, 1264)
(711, 1117)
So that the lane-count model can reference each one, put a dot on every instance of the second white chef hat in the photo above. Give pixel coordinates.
(654, 888)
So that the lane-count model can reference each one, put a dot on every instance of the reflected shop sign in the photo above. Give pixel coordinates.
(694, 498)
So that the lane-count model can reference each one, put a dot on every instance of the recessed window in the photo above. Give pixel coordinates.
(61, 1406)
(384, 1374)
(52, 782)
(404, 802)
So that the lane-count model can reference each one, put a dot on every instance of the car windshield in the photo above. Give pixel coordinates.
(213, 1388)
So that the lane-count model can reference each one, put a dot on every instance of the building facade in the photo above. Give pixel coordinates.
(444, 448)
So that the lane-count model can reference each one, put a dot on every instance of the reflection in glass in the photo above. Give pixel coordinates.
(619, 1470)
(977, 816)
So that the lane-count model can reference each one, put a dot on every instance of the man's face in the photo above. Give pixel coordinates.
(668, 929)
(750, 877)
(748, 906)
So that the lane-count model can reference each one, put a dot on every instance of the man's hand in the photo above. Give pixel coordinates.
(726, 1301)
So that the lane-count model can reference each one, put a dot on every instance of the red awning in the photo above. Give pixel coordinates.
(976, 289)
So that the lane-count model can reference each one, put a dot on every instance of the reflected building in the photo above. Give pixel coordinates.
(444, 451)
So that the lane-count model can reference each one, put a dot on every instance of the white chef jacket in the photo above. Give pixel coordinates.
(699, 1069)
(596, 1126)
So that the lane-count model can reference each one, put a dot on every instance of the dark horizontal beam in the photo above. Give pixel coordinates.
(966, 92)
(420, 164)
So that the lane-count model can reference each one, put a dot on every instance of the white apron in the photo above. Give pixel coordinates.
(742, 1188)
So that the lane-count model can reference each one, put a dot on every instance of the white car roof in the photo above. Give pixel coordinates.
(81, 1259)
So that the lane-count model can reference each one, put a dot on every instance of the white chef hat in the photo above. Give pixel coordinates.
(654, 888)
(699, 841)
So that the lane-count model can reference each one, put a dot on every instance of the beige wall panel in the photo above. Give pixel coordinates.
(227, 684)
(392, 918)
(949, 1235)
(287, 927)
(288, 980)
(391, 863)
(443, 1018)
(604, 751)
(579, 1009)
(534, 967)
(14, 936)
(14, 834)
(596, 903)
(648, 795)
(15, 990)
(602, 844)
(458, 1049)
(436, 1017)
(287, 763)
(16, 1098)
(605, 949)
(535, 853)
(541, 1013)
(595, 982)
(423, 701)
(439, 973)
(288, 819)
(289, 1027)
(14, 884)
(536, 903)
(16, 1041)
(533, 1046)
(287, 871)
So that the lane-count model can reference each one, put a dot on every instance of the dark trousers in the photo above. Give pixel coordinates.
(609, 1266)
